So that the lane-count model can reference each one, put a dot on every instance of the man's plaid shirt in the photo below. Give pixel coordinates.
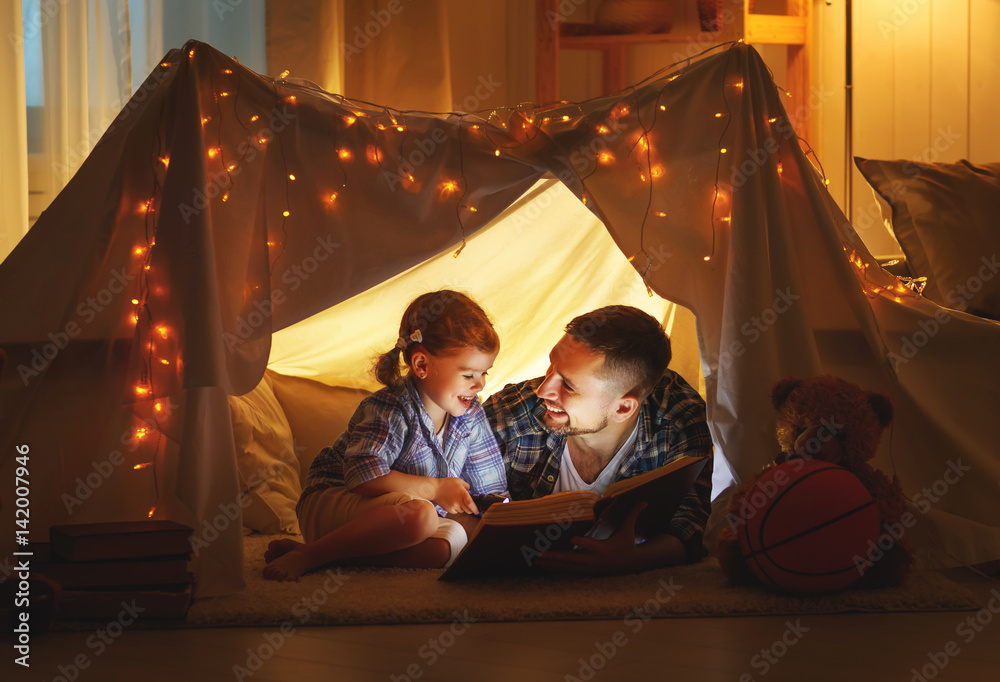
(672, 423)
(392, 431)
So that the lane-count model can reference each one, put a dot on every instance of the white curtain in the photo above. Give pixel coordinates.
(85, 59)
(13, 132)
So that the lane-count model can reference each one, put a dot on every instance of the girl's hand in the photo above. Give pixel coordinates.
(453, 496)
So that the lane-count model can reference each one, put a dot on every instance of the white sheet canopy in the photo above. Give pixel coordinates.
(228, 220)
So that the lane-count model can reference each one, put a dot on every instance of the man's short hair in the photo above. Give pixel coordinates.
(636, 349)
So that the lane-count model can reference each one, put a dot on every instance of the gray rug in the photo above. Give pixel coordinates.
(340, 596)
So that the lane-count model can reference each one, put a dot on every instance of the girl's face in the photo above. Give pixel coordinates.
(448, 383)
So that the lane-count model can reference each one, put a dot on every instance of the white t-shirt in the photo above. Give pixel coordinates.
(569, 478)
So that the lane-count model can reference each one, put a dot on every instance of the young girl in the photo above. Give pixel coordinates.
(413, 449)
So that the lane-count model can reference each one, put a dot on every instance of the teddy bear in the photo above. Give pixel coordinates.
(831, 420)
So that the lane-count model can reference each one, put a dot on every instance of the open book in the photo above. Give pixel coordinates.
(510, 536)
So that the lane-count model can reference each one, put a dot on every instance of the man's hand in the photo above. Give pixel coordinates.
(452, 495)
(617, 554)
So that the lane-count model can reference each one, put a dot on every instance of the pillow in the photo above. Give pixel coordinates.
(269, 470)
(945, 217)
(317, 413)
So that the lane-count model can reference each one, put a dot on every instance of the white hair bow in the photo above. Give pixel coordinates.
(415, 337)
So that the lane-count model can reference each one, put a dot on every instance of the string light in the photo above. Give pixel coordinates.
(227, 71)
(152, 510)
(286, 214)
(143, 465)
(254, 118)
(291, 176)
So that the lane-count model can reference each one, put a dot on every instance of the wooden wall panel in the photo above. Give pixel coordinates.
(984, 76)
(950, 80)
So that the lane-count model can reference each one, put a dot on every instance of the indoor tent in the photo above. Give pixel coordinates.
(223, 206)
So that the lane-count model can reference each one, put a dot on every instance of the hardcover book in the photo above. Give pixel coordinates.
(510, 536)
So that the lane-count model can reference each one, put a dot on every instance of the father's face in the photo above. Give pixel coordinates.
(577, 399)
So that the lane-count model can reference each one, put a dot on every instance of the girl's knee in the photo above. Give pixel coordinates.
(419, 518)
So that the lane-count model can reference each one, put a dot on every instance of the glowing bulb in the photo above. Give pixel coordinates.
(165, 160)
(738, 85)
(191, 53)
(565, 118)
(139, 251)
(603, 129)
(290, 99)
(606, 157)
(723, 150)
(649, 292)
(141, 432)
(152, 510)
(349, 120)
(472, 209)
(223, 94)
(164, 64)
(286, 214)
(772, 120)
(661, 214)
(656, 171)
(719, 115)
(707, 258)
(283, 74)
(231, 167)
(162, 331)
(135, 301)
(333, 197)
(205, 119)
(291, 176)
(663, 107)
(213, 152)
(158, 406)
(141, 390)
(497, 152)
(345, 154)
(254, 118)
(448, 186)
(225, 197)
(164, 361)
(135, 319)
(400, 128)
(142, 466)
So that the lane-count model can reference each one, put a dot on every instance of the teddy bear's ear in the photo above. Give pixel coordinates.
(783, 389)
(882, 408)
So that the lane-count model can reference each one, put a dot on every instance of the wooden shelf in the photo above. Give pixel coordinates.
(776, 30)
(792, 29)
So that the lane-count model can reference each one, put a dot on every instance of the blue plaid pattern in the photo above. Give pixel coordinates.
(672, 422)
(392, 431)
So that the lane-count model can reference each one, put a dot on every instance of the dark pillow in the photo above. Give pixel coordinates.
(946, 217)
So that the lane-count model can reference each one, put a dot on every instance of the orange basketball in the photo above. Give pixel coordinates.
(806, 526)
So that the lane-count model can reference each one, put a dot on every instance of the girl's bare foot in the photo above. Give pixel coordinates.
(278, 548)
(289, 566)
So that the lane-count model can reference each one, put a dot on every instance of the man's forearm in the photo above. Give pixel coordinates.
(659, 552)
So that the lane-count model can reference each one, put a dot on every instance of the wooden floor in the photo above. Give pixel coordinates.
(842, 647)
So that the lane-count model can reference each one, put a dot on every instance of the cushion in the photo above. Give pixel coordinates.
(317, 413)
(269, 469)
(945, 217)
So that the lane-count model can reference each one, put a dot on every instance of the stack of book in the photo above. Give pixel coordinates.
(105, 568)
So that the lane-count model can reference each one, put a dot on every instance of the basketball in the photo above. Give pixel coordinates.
(806, 527)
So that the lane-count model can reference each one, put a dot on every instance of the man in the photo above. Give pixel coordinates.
(607, 409)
